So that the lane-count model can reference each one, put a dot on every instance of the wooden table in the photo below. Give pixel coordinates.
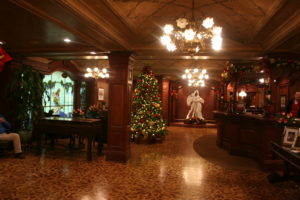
(92, 129)
(291, 159)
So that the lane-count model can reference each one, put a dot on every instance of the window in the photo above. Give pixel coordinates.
(59, 94)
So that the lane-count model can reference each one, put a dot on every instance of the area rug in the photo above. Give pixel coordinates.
(206, 148)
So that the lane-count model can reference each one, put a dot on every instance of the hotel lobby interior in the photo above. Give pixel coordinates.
(150, 99)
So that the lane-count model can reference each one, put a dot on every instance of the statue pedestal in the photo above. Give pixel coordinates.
(194, 121)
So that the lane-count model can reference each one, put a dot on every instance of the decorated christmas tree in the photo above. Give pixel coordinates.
(146, 114)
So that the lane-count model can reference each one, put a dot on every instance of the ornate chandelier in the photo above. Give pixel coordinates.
(195, 77)
(96, 73)
(191, 36)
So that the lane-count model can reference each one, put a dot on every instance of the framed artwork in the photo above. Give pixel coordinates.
(282, 101)
(100, 94)
(289, 135)
(296, 144)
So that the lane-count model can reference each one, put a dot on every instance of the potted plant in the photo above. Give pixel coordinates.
(25, 93)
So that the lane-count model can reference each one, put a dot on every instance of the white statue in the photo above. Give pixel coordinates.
(195, 101)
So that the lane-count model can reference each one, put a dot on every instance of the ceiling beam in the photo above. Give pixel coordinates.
(274, 8)
(283, 32)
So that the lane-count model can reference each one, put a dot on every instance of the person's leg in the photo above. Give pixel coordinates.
(15, 138)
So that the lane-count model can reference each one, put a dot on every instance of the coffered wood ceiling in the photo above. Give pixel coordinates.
(251, 29)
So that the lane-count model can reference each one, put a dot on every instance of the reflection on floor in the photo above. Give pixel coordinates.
(171, 170)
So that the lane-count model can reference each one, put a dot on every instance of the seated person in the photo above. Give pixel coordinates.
(14, 137)
(293, 106)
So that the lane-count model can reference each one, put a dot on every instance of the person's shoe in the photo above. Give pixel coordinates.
(19, 155)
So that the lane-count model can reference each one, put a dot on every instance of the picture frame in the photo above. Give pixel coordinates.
(282, 101)
(296, 144)
(289, 135)
(100, 94)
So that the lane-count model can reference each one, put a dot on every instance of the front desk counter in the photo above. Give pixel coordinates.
(249, 135)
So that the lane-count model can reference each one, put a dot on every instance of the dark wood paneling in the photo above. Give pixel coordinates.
(249, 136)
(117, 99)
(165, 99)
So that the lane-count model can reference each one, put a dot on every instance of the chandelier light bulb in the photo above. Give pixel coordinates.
(199, 36)
(96, 69)
(208, 22)
(171, 47)
(217, 30)
(165, 39)
(196, 70)
(189, 76)
(190, 84)
(202, 84)
(187, 71)
(242, 93)
(203, 71)
(217, 43)
(184, 76)
(261, 80)
(89, 69)
(86, 75)
(189, 34)
(168, 28)
(206, 76)
(104, 70)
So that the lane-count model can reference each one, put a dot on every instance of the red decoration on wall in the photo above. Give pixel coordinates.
(4, 57)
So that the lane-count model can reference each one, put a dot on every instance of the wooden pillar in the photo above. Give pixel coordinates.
(120, 90)
(77, 84)
(165, 99)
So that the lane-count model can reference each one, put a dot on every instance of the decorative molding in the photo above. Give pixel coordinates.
(283, 32)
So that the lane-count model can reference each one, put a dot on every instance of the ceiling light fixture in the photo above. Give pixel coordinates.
(93, 52)
(191, 36)
(96, 73)
(67, 40)
(195, 77)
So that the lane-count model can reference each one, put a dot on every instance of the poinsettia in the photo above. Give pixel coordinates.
(287, 119)
(78, 113)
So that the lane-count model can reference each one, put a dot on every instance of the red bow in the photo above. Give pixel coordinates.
(4, 57)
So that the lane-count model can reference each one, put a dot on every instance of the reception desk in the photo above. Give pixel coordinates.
(248, 135)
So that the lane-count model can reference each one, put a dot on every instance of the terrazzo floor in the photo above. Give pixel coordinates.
(167, 171)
